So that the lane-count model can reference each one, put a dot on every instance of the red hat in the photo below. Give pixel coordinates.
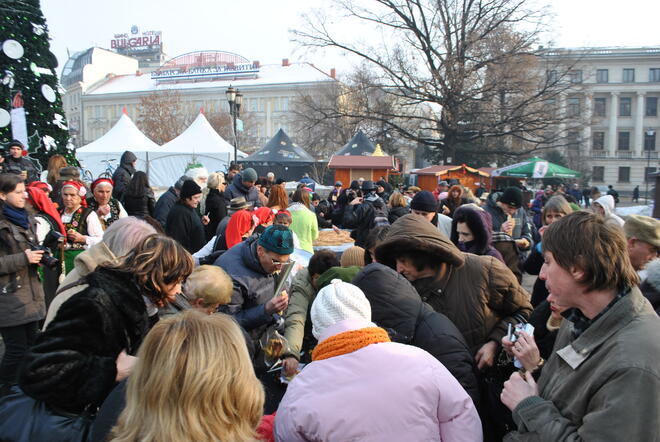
(80, 188)
(239, 224)
(98, 181)
(42, 203)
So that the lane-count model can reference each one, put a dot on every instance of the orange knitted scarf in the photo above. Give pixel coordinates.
(348, 342)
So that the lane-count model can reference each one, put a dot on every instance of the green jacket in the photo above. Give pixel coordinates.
(602, 386)
(305, 226)
(296, 326)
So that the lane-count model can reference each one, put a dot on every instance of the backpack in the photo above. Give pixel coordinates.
(380, 214)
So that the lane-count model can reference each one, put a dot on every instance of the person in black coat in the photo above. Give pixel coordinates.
(16, 163)
(123, 174)
(398, 207)
(139, 200)
(183, 222)
(396, 307)
(650, 287)
(216, 204)
(167, 200)
(88, 346)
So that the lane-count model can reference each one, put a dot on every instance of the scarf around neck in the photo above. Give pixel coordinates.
(16, 216)
(349, 342)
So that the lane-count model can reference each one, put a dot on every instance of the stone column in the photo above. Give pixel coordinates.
(585, 143)
(611, 133)
(639, 126)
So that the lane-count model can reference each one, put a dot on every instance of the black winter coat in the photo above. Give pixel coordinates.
(123, 174)
(184, 225)
(236, 189)
(140, 206)
(396, 306)
(164, 205)
(216, 209)
(253, 287)
(360, 217)
(532, 265)
(73, 362)
(396, 213)
(544, 338)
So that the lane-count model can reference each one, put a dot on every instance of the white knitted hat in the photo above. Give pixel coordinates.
(336, 302)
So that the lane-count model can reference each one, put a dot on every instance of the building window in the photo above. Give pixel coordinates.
(647, 172)
(573, 107)
(651, 106)
(598, 174)
(654, 75)
(602, 75)
(625, 106)
(624, 174)
(598, 140)
(649, 140)
(285, 104)
(573, 140)
(552, 77)
(628, 75)
(624, 141)
(600, 104)
(575, 76)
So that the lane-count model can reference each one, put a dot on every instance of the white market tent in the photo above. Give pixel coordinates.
(123, 136)
(199, 143)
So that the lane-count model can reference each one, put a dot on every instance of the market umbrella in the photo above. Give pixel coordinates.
(536, 168)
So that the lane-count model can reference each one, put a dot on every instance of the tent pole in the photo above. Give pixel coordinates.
(147, 165)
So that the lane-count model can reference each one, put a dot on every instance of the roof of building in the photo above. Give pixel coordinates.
(358, 145)
(361, 162)
(274, 74)
(280, 149)
(441, 170)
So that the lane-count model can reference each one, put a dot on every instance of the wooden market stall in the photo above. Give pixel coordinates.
(351, 167)
(429, 177)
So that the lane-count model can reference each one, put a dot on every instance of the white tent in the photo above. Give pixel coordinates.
(123, 136)
(199, 143)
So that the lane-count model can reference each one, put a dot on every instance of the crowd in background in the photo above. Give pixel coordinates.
(210, 314)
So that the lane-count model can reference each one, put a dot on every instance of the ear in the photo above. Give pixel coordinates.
(577, 273)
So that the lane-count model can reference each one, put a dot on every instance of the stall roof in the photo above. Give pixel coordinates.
(361, 162)
(358, 145)
(441, 170)
(280, 149)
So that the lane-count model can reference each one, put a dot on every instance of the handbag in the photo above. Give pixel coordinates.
(24, 419)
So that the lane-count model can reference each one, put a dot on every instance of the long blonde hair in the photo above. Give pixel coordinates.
(193, 382)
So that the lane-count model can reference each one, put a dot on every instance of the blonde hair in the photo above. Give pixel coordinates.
(193, 381)
(215, 179)
(209, 283)
(398, 200)
(55, 163)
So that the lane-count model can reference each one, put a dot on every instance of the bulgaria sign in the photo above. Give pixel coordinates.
(194, 72)
(137, 41)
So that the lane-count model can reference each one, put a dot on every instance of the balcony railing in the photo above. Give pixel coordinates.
(625, 154)
(599, 153)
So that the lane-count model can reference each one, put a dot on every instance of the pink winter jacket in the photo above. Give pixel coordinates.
(382, 392)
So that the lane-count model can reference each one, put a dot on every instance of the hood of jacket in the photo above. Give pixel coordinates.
(127, 158)
(249, 254)
(93, 257)
(479, 222)
(237, 182)
(395, 304)
(607, 203)
(413, 233)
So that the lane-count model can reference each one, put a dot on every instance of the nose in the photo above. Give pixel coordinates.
(542, 273)
(399, 267)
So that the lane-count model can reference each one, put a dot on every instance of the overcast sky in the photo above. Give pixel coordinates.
(259, 29)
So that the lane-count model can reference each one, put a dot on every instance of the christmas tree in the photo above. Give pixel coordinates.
(30, 100)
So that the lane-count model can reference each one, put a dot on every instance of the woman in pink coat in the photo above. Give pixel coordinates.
(361, 386)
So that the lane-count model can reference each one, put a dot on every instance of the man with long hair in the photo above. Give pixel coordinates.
(603, 379)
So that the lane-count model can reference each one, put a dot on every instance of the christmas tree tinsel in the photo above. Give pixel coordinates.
(33, 75)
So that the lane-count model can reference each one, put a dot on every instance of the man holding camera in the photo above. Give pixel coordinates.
(602, 381)
(364, 213)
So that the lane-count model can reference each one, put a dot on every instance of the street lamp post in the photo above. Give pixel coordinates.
(235, 100)
(649, 133)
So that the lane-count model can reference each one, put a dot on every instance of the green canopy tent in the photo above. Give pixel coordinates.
(535, 168)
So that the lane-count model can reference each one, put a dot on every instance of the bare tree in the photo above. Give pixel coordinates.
(222, 123)
(160, 116)
(463, 77)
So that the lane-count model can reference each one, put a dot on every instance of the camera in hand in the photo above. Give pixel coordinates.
(47, 259)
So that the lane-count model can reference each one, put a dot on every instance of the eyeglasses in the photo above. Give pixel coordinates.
(279, 263)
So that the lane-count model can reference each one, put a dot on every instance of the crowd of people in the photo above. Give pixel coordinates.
(209, 314)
